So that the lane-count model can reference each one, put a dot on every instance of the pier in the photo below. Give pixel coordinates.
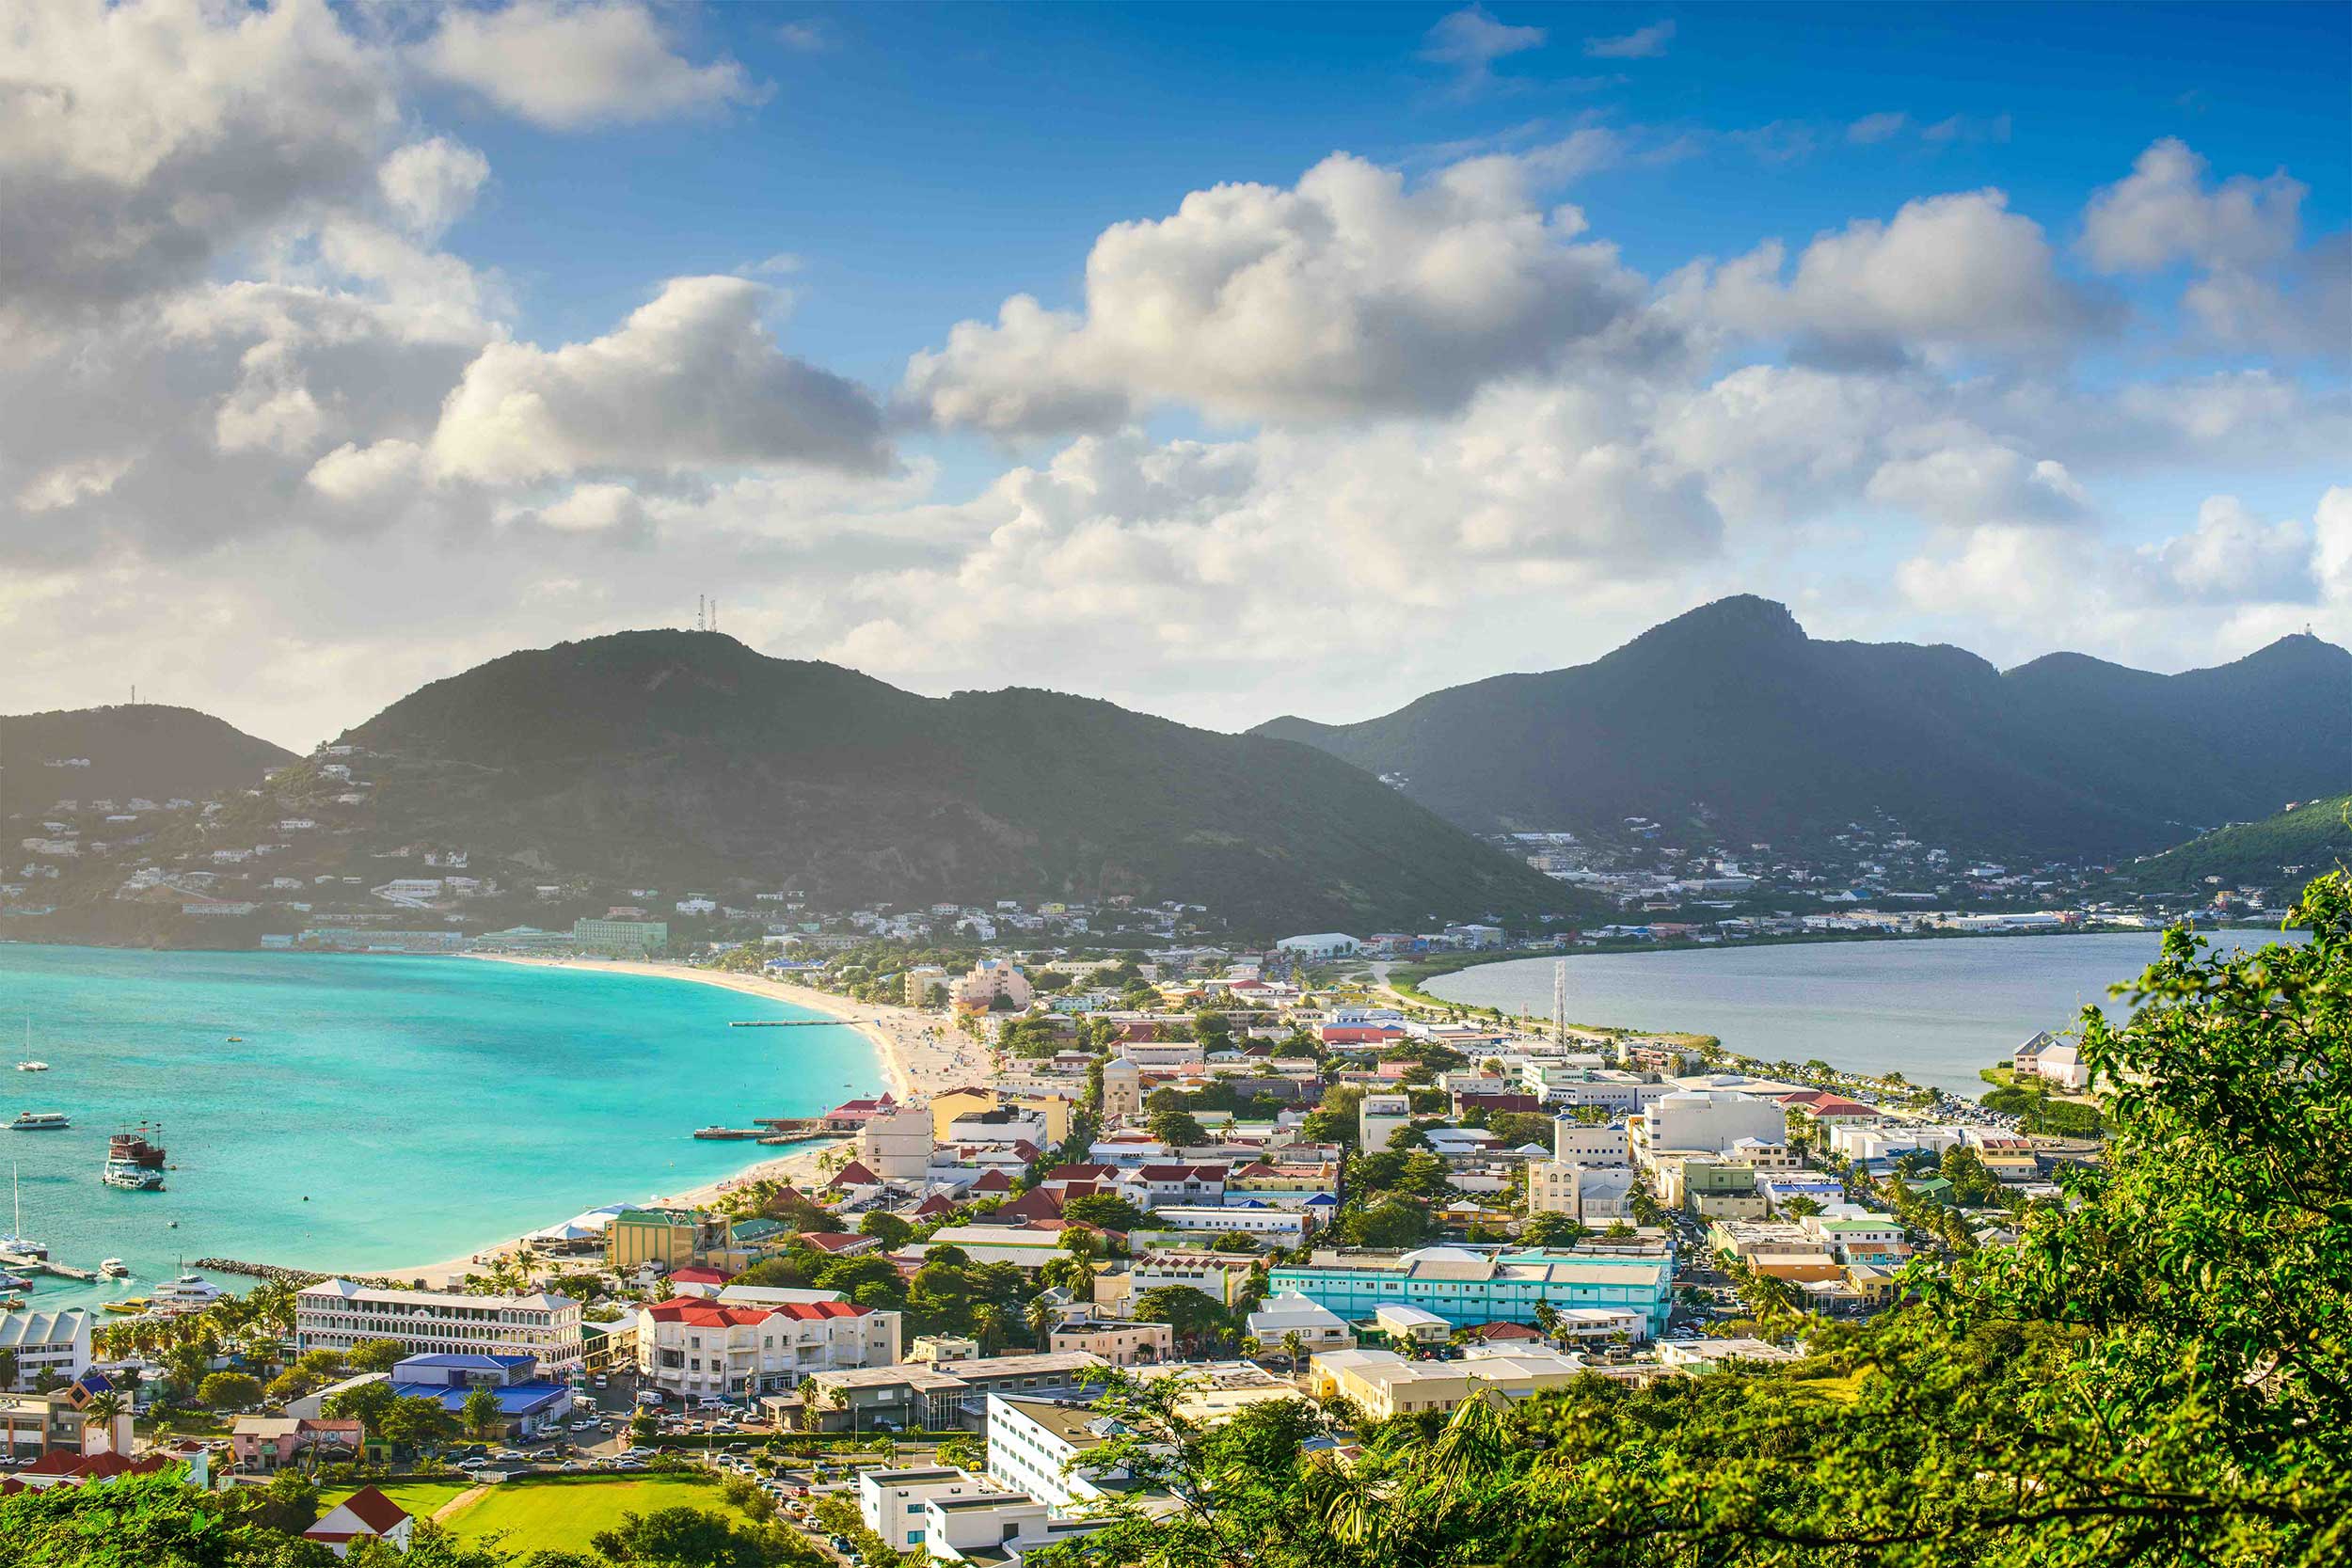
(23, 1264)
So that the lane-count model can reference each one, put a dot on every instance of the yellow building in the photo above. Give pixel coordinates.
(1382, 1383)
(668, 1238)
(1054, 1109)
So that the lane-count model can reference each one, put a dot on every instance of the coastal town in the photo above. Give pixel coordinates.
(1250, 1177)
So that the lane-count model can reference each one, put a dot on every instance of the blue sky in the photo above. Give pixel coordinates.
(489, 325)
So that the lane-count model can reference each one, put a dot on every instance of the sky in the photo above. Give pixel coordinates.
(1222, 361)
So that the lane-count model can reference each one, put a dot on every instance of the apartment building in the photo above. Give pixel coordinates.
(693, 1349)
(336, 1314)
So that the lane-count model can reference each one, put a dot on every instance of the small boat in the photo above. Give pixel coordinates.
(39, 1121)
(128, 1305)
(236, 1039)
(16, 1243)
(14, 1282)
(32, 1067)
(114, 1268)
(131, 1178)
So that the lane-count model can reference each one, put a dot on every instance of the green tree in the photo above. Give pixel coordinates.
(881, 1223)
(374, 1355)
(1178, 1129)
(1191, 1314)
(1104, 1211)
(480, 1414)
(230, 1391)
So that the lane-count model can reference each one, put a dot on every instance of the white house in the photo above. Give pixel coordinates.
(696, 1349)
(366, 1514)
(1292, 1313)
(47, 1342)
(336, 1314)
(2053, 1060)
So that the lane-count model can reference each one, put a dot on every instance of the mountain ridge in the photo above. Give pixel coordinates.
(1731, 715)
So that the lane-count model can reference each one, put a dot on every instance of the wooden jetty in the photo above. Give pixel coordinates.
(23, 1264)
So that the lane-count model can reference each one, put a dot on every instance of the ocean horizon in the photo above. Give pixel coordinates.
(374, 1112)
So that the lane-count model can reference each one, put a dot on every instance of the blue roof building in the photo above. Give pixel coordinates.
(528, 1403)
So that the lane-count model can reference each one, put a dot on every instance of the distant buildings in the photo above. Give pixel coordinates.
(1382, 1383)
(2052, 1060)
(991, 981)
(622, 939)
(1470, 1287)
(336, 1314)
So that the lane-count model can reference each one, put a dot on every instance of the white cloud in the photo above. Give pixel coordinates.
(68, 483)
(2232, 556)
(432, 183)
(1878, 127)
(1642, 43)
(373, 474)
(691, 378)
(2163, 211)
(1977, 482)
(140, 141)
(1957, 274)
(1350, 294)
(568, 65)
(1470, 41)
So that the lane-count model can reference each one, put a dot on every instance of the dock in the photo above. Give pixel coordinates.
(22, 1264)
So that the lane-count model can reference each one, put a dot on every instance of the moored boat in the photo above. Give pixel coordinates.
(190, 1292)
(131, 1178)
(138, 1146)
(128, 1305)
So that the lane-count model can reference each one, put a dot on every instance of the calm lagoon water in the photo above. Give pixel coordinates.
(381, 1111)
(1935, 1012)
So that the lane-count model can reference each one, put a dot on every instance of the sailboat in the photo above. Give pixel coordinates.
(14, 1243)
(28, 1065)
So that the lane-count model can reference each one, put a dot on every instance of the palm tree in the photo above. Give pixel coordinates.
(103, 1408)
(1039, 1315)
(1547, 1319)
(988, 1326)
(1294, 1347)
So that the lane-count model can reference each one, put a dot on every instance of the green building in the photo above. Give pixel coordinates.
(622, 939)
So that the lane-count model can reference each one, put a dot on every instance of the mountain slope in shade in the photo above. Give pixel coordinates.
(1732, 715)
(2279, 852)
(144, 749)
(680, 757)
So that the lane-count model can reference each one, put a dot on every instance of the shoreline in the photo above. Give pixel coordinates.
(919, 1055)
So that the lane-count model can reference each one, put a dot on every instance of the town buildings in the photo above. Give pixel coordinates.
(1469, 1287)
(693, 1349)
(46, 1344)
(336, 1314)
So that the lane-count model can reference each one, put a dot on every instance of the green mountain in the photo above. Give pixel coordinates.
(2283, 851)
(143, 749)
(685, 760)
(1732, 720)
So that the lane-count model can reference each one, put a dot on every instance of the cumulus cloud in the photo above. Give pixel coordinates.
(2232, 556)
(432, 183)
(691, 378)
(569, 65)
(1642, 43)
(1954, 274)
(2164, 211)
(1352, 293)
(140, 141)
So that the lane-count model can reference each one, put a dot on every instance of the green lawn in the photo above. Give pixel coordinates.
(562, 1515)
(420, 1498)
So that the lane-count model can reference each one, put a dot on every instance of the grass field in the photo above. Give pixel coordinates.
(562, 1515)
(420, 1498)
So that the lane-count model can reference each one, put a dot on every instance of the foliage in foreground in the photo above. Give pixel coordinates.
(2158, 1373)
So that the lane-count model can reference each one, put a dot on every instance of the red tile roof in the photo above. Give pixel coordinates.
(854, 1174)
(705, 1314)
(1077, 1173)
(697, 1274)
(837, 1240)
(935, 1204)
(808, 1312)
(992, 1182)
(375, 1509)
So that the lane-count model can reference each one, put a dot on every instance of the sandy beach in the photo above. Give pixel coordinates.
(921, 1054)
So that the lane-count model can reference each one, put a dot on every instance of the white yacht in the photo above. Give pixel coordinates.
(190, 1292)
(17, 1245)
(39, 1121)
(32, 1067)
(114, 1268)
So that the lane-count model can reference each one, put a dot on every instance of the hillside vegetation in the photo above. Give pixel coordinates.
(2283, 850)
(1732, 720)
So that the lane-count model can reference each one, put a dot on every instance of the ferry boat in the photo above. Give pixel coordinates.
(114, 1268)
(190, 1292)
(131, 1178)
(138, 1146)
(39, 1121)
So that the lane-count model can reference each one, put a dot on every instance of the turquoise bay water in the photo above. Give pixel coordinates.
(381, 1111)
(1935, 1012)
